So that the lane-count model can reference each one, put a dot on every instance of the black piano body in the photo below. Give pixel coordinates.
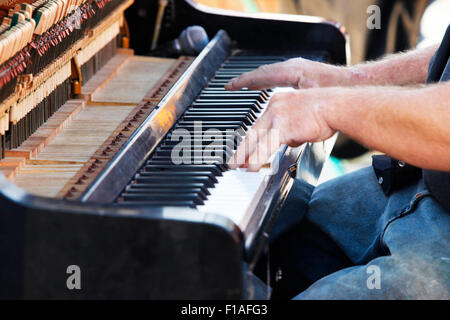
(161, 252)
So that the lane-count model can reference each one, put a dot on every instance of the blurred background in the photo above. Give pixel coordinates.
(405, 24)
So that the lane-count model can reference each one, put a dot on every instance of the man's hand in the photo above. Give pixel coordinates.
(295, 118)
(297, 73)
(400, 70)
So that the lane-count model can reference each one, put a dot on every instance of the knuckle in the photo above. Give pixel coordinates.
(277, 120)
(265, 68)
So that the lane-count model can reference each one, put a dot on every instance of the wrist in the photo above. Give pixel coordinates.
(337, 106)
(356, 75)
(328, 104)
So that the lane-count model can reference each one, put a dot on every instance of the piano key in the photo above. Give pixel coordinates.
(264, 92)
(234, 70)
(243, 93)
(199, 144)
(218, 127)
(178, 181)
(204, 140)
(245, 188)
(203, 193)
(178, 174)
(219, 118)
(158, 196)
(192, 160)
(231, 139)
(211, 168)
(247, 113)
(158, 203)
(239, 65)
(230, 96)
(225, 151)
(253, 58)
(168, 186)
(216, 117)
(254, 105)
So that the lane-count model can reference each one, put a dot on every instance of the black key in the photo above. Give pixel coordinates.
(216, 119)
(202, 194)
(204, 141)
(205, 110)
(195, 160)
(176, 181)
(206, 126)
(230, 95)
(234, 70)
(263, 93)
(187, 168)
(158, 203)
(220, 166)
(195, 157)
(254, 105)
(182, 197)
(167, 150)
(167, 186)
(178, 175)
(234, 137)
(248, 113)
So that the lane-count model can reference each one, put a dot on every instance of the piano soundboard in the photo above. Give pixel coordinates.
(88, 131)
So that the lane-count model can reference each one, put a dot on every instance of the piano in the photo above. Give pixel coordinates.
(113, 204)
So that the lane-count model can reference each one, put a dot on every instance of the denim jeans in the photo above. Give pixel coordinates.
(345, 239)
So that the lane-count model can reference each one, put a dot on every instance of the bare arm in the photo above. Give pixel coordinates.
(410, 124)
(400, 69)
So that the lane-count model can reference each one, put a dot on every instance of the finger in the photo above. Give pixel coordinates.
(248, 145)
(240, 157)
(264, 77)
(267, 146)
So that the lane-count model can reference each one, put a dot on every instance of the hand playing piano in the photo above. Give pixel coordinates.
(291, 118)
(297, 73)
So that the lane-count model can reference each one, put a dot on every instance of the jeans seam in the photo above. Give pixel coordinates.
(404, 212)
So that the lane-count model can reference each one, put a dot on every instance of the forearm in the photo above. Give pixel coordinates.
(398, 69)
(408, 124)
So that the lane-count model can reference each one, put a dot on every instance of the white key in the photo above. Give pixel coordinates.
(236, 195)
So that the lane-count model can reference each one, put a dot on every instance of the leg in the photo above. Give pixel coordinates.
(305, 250)
(418, 267)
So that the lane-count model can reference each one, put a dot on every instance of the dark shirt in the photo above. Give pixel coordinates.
(393, 174)
(439, 182)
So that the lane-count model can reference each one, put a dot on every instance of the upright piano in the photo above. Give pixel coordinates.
(88, 185)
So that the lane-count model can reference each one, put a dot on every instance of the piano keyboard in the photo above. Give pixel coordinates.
(204, 182)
